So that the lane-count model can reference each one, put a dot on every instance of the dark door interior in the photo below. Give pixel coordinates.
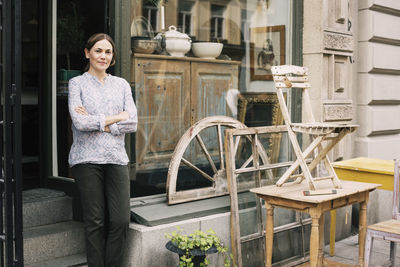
(31, 84)
(76, 21)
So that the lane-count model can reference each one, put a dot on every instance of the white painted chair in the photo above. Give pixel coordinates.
(324, 135)
(387, 230)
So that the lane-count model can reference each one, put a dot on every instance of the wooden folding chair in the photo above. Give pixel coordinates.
(324, 135)
(387, 230)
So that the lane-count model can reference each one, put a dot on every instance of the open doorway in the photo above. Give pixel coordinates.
(77, 20)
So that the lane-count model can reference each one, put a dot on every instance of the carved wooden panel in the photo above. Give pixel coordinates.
(210, 83)
(163, 103)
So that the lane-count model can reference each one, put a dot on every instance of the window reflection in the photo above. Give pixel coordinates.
(217, 22)
(185, 17)
(150, 16)
(174, 93)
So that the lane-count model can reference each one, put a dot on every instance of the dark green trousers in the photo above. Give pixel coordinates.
(104, 192)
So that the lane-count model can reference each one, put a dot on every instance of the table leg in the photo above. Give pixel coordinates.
(362, 230)
(269, 234)
(314, 240)
(321, 240)
(332, 233)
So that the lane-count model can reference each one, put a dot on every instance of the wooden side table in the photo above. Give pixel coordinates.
(292, 197)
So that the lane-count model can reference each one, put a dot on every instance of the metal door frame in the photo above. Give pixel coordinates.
(11, 239)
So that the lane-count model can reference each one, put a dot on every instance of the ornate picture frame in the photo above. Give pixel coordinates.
(249, 103)
(267, 48)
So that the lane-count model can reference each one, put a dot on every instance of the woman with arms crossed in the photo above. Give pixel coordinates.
(102, 111)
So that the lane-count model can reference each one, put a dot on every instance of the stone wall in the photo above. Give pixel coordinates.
(328, 52)
(378, 79)
(147, 243)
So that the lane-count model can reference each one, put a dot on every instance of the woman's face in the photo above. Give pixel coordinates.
(100, 55)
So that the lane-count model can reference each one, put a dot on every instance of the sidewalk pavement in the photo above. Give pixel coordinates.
(346, 251)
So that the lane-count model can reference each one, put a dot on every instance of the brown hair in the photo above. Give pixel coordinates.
(98, 37)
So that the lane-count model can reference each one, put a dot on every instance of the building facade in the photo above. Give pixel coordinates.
(352, 55)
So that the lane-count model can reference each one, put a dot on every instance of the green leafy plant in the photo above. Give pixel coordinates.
(198, 240)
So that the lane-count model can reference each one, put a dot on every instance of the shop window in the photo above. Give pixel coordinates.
(172, 94)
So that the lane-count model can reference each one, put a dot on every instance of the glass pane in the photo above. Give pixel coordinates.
(31, 83)
(174, 92)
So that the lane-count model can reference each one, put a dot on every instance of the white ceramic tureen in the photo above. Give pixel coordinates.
(177, 44)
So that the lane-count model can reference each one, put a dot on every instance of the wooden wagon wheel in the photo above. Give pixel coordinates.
(218, 179)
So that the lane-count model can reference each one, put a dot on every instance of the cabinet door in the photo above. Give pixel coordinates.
(209, 86)
(163, 99)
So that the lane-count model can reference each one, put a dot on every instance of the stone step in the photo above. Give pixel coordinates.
(67, 261)
(43, 206)
(47, 242)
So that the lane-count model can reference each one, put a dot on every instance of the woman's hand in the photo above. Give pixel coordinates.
(81, 110)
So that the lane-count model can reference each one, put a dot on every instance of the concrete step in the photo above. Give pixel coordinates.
(68, 261)
(47, 242)
(43, 206)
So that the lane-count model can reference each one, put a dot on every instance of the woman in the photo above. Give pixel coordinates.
(102, 111)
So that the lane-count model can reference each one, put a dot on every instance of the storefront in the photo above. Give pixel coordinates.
(254, 34)
(173, 93)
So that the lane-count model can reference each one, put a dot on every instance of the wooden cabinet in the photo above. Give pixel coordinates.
(171, 94)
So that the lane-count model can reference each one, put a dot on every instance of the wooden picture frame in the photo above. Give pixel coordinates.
(267, 48)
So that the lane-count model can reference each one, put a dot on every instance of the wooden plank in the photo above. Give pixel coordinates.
(192, 59)
(319, 192)
(390, 226)
(292, 85)
(220, 148)
(258, 130)
(289, 69)
(234, 207)
(282, 78)
(264, 167)
(295, 191)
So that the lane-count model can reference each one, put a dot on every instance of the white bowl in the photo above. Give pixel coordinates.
(208, 50)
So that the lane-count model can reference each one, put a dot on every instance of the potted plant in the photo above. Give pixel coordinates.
(193, 248)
